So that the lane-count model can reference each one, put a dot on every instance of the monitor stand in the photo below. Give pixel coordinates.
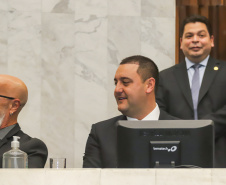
(158, 165)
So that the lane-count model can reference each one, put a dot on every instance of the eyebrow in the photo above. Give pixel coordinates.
(198, 32)
(123, 78)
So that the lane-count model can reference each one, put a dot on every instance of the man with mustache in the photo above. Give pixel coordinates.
(196, 87)
(136, 81)
(13, 97)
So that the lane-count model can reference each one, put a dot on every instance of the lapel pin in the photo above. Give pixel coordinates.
(215, 68)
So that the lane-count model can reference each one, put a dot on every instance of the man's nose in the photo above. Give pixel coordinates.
(118, 88)
(195, 38)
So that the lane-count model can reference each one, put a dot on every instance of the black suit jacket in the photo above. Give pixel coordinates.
(174, 96)
(101, 145)
(36, 150)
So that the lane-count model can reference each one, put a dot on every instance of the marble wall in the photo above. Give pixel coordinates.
(67, 52)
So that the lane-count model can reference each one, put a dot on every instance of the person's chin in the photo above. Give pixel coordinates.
(196, 53)
(122, 109)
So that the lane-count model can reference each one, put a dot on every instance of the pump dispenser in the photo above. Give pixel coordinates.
(15, 158)
(15, 143)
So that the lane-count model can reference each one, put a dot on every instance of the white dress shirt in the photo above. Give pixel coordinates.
(191, 70)
(153, 115)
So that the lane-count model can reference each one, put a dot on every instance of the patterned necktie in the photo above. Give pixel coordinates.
(195, 89)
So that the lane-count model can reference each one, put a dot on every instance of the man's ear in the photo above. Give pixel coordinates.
(150, 84)
(15, 105)
(212, 40)
(180, 42)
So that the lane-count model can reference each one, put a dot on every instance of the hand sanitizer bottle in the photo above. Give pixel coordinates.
(15, 158)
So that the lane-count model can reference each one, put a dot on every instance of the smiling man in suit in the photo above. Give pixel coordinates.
(196, 87)
(13, 97)
(136, 81)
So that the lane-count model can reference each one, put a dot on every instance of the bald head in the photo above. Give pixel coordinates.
(13, 87)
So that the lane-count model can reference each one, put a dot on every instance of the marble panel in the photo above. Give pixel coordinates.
(129, 176)
(91, 7)
(123, 41)
(178, 176)
(218, 176)
(25, 5)
(123, 38)
(24, 50)
(57, 103)
(112, 105)
(91, 43)
(92, 101)
(22, 176)
(161, 8)
(3, 5)
(3, 41)
(90, 78)
(50, 176)
(75, 177)
(58, 6)
(158, 40)
(124, 8)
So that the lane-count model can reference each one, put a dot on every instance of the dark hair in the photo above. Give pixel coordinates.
(194, 19)
(147, 68)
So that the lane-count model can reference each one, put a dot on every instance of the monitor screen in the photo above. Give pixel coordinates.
(165, 143)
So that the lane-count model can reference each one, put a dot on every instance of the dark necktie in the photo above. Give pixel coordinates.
(195, 89)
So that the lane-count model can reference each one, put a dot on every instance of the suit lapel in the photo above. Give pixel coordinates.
(183, 81)
(162, 115)
(10, 134)
(208, 77)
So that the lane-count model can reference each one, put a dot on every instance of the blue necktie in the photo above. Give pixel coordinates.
(195, 89)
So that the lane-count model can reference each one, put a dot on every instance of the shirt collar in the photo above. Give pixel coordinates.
(153, 115)
(5, 131)
(189, 64)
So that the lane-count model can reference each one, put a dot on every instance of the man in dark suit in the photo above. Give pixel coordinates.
(189, 92)
(13, 97)
(136, 81)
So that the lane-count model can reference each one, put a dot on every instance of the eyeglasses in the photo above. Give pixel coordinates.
(11, 98)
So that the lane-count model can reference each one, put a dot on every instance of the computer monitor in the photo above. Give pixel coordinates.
(165, 143)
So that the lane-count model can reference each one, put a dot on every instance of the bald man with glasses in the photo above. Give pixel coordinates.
(13, 97)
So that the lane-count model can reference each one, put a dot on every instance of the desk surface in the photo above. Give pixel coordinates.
(79, 176)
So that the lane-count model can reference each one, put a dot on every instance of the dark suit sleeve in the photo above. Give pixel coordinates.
(92, 157)
(166, 116)
(37, 153)
(160, 98)
(219, 118)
